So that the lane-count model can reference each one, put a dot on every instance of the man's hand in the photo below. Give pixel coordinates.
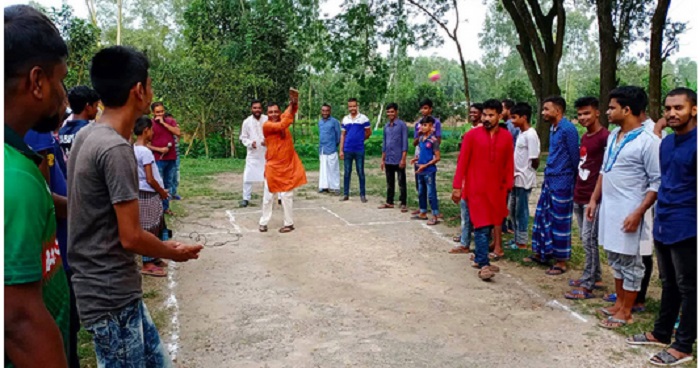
(293, 96)
(183, 252)
(164, 194)
(382, 165)
(254, 145)
(632, 222)
(402, 164)
(420, 168)
(160, 120)
(456, 195)
(590, 210)
(414, 160)
(341, 155)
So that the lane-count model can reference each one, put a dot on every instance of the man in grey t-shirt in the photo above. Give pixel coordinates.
(104, 232)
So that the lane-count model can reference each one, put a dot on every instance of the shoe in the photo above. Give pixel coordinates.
(243, 203)
(323, 190)
(177, 197)
(363, 199)
(279, 202)
(345, 198)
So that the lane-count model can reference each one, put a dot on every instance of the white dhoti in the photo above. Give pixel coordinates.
(287, 206)
(251, 133)
(329, 172)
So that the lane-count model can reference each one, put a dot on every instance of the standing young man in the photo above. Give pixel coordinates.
(355, 131)
(551, 232)
(675, 233)
(426, 171)
(283, 169)
(328, 140)
(104, 232)
(84, 102)
(394, 150)
(165, 131)
(254, 141)
(36, 290)
(475, 114)
(526, 160)
(592, 150)
(426, 109)
(626, 189)
(482, 178)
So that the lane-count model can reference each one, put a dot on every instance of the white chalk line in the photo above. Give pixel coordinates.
(346, 222)
(438, 234)
(172, 304)
(232, 220)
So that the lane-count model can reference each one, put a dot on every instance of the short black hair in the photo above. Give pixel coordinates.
(115, 70)
(270, 104)
(31, 39)
(508, 103)
(478, 106)
(80, 96)
(630, 96)
(687, 92)
(393, 105)
(156, 104)
(167, 115)
(352, 99)
(256, 101)
(493, 104)
(522, 109)
(426, 102)
(326, 105)
(587, 101)
(427, 120)
(141, 124)
(557, 101)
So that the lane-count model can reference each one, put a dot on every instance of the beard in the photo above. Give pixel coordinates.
(257, 115)
(680, 124)
(488, 125)
(48, 124)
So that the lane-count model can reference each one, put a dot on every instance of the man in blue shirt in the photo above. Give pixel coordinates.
(328, 140)
(675, 233)
(356, 130)
(394, 149)
(426, 109)
(83, 102)
(551, 231)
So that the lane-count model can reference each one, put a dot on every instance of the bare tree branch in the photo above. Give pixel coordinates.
(434, 18)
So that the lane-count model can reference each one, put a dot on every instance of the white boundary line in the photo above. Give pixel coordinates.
(346, 222)
(171, 303)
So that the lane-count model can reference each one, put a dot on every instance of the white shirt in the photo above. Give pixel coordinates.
(527, 148)
(144, 156)
(649, 126)
(252, 131)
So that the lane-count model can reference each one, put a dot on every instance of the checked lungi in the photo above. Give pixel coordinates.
(151, 212)
(551, 231)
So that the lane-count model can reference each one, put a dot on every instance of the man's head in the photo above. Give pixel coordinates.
(426, 124)
(256, 108)
(507, 105)
(475, 113)
(120, 76)
(84, 102)
(681, 108)
(144, 128)
(491, 114)
(426, 107)
(587, 111)
(35, 66)
(392, 110)
(352, 106)
(158, 109)
(273, 112)
(553, 109)
(520, 114)
(626, 104)
(326, 111)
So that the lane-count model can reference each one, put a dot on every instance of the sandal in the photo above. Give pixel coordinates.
(459, 250)
(555, 271)
(578, 294)
(612, 323)
(577, 283)
(433, 221)
(287, 229)
(666, 359)
(605, 312)
(610, 298)
(485, 273)
(403, 208)
(642, 339)
(263, 228)
(169, 212)
(533, 259)
(457, 238)
(493, 268)
(160, 263)
(385, 205)
(149, 269)
(419, 217)
(416, 212)
(495, 257)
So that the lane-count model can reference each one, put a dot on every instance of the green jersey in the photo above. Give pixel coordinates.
(31, 250)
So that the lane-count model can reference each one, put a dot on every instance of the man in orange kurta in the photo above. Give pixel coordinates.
(483, 177)
(283, 168)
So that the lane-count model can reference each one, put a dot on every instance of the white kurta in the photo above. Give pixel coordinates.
(255, 157)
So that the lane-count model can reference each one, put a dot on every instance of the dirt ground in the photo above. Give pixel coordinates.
(355, 286)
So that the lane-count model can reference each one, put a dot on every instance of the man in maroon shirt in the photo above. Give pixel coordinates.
(593, 144)
(163, 147)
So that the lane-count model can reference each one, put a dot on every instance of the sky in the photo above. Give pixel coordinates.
(472, 13)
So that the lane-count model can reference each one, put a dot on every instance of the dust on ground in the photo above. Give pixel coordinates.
(355, 286)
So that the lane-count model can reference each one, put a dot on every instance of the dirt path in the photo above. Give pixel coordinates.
(354, 286)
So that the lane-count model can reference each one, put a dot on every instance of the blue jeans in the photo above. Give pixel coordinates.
(467, 228)
(427, 191)
(176, 177)
(168, 170)
(520, 213)
(128, 338)
(164, 235)
(359, 158)
(482, 239)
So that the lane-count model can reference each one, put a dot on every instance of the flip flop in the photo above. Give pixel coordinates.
(555, 271)
(612, 323)
(605, 312)
(610, 298)
(578, 294)
(154, 271)
(385, 205)
(404, 209)
(665, 359)
(459, 250)
(287, 229)
(535, 260)
(485, 274)
(432, 221)
(642, 339)
(495, 257)
(417, 217)
(638, 309)
(577, 283)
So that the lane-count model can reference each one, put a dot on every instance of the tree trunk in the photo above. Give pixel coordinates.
(92, 10)
(465, 76)
(119, 22)
(656, 60)
(203, 133)
(194, 136)
(608, 54)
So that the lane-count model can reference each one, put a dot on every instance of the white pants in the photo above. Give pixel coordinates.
(248, 190)
(329, 172)
(287, 206)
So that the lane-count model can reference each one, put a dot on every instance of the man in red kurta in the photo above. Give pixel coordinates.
(483, 177)
(283, 168)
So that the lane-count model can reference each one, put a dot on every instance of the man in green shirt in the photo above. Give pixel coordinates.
(36, 289)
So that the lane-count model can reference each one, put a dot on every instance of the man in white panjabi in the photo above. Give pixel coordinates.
(253, 139)
(329, 138)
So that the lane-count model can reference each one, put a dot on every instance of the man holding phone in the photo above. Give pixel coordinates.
(162, 145)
